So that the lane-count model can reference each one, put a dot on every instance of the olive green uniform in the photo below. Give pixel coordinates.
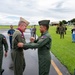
(2, 42)
(43, 43)
(61, 30)
(18, 55)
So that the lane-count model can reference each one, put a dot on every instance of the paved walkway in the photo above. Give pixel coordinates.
(31, 59)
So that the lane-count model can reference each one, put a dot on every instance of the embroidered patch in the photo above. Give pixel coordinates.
(4, 37)
(44, 37)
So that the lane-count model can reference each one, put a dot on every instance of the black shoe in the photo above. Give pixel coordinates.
(2, 71)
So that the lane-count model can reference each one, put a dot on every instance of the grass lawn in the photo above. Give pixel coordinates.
(6, 26)
(63, 49)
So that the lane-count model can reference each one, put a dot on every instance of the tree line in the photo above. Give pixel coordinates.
(72, 21)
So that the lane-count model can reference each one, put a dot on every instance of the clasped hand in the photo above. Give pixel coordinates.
(20, 44)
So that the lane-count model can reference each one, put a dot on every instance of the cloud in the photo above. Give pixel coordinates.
(35, 10)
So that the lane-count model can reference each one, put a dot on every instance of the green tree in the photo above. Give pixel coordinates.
(64, 21)
(73, 20)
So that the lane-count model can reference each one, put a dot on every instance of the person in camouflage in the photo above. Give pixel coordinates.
(18, 55)
(61, 30)
(3, 41)
(43, 43)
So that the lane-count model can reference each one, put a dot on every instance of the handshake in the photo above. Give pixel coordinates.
(20, 44)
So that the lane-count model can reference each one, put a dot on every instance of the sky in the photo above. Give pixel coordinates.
(36, 10)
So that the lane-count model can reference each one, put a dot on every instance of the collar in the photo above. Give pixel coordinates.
(44, 33)
(21, 31)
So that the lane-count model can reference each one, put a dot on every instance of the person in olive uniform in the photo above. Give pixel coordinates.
(3, 42)
(10, 33)
(43, 43)
(61, 30)
(18, 55)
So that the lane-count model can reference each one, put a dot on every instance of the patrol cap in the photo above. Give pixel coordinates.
(23, 20)
(44, 22)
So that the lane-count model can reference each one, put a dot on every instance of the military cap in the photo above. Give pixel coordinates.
(44, 22)
(22, 19)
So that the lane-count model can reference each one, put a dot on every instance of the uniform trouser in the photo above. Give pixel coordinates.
(1, 59)
(61, 35)
(44, 65)
(19, 63)
(11, 52)
(10, 39)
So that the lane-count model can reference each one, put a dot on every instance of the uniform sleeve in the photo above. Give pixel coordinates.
(4, 41)
(18, 39)
(41, 42)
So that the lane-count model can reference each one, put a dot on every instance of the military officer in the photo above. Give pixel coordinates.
(18, 55)
(43, 43)
(2, 42)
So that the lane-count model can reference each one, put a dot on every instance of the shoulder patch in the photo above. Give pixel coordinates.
(44, 37)
(4, 37)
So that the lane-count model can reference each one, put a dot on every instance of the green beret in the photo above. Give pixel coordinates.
(44, 22)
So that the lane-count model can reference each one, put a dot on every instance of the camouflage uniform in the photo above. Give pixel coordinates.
(2, 42)
(61, 30)
(18, 55)
(43, 43)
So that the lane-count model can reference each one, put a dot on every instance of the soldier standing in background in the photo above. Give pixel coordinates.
(10, 33)
(61, 30)
(34, 32)
(3, 41)
(18, 55)
(43, 43)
